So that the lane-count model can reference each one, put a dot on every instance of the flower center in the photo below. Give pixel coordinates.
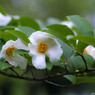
(9, 50)
(85, 51)
(42, 47)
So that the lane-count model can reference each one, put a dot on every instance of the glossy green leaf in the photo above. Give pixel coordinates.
(86, 39)
(20, 35)
(4, 65)
(71, 78)
(2, 11)
(89, 60)
(58, 64)
(75, 63)
(27, 30)
(78, 80)
(14, 22)
(30, 22)
(68, 51)
(84, 27)
(80, 47)
(49, 65)
(19, 51)
(7, 36)
(59, 31)
(7, 28)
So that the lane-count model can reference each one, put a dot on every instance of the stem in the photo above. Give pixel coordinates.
(14, 71)
(55, 84)
(84, 62)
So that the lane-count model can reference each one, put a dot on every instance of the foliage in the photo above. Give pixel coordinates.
(74, 64)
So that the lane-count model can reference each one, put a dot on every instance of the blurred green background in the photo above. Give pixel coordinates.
(42, 10)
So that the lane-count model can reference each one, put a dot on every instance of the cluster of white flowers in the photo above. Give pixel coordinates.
(41, 44)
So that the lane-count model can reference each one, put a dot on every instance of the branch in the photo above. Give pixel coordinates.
(59, 85)
(45, 79)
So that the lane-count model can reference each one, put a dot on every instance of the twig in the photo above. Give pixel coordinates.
(47, 73)
(44, 78)
(32, 74)
(84, 62)
(14, 71)
(66, 68)
(27, 70)
(19, 77)
(55, 84)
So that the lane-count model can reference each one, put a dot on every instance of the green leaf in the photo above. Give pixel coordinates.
(84, 27)
(89, 60)
(7, 28)
(68, 51)
(14, 22)
(20, 35)
(19, 51)
(75, 63)
(80, 47)
(58, 64)
(86, 39)
(30, 22)
(1, 43)
(4, 65)
(49, 65)
(2, 11)
(85, 80)
(60, 31)
(71, 78)
(7, 36)
(27, 30)
(78, 80)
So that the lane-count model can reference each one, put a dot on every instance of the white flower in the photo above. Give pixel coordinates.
(4, 20)
(43, 44)
(15, 16)
(90, 50)
(7, 53)
(68, 23)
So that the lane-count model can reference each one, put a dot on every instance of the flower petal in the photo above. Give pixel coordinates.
(17, 61)
(20, 45)
(91, 50)
(38, 36)
(4, 20)
(54, 53)
(68, 23)
(8, 44)
(33, 49)
(39, 61)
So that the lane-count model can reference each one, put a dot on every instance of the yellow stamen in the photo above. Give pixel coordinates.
(9, 50)
(85, 51)
(42, 47)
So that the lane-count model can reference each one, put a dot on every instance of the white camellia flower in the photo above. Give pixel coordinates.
(43, 44)
(68, 23)
(7, 53)
(90, 50)
(4, 20)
